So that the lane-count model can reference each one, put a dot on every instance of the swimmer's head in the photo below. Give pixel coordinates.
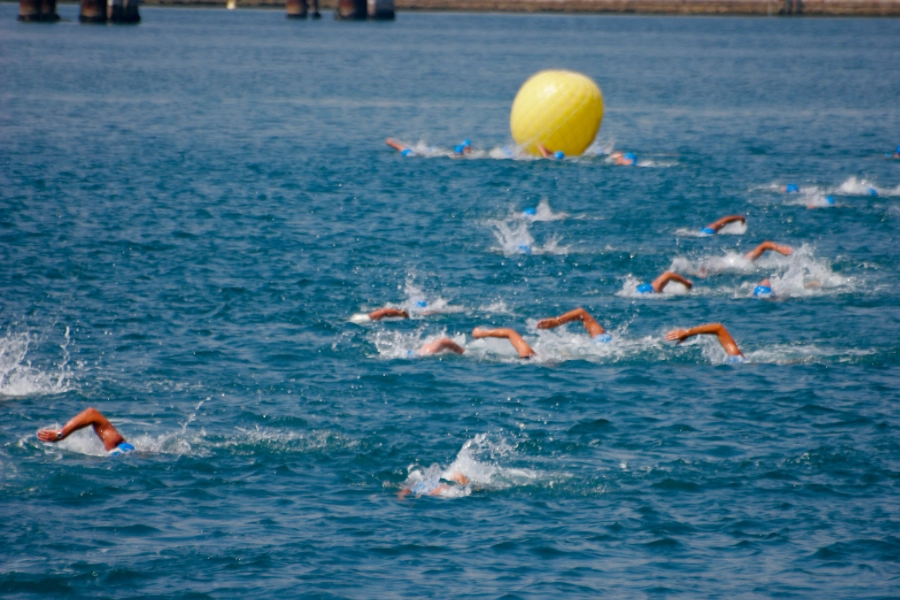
(762, 292)
(559, 155)
(603, 338)
(525, 248)
(406, 152)
(791, 188)
(708, 231)
(873, 192)
(898, 150)
(735, 359)
(531, 211)
(829, 199)
(466, 143)
(645, 288)
(459, 149)
(630, 156)
(421, 303)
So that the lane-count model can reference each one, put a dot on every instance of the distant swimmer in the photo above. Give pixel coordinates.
(763, 290)
(624, 159)
(558, 155)
(660, 283)
(896, 153)
(593, 328)
(434, 486)
(791, 188)
(464, 148)
(402, 148)
(762, 248)
(521, 346)
(439, 345)
(112, 439)
(717, 329)
(713, 228)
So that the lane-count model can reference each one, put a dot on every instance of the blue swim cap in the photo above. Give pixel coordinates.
(829, 199)
(645, 288)
(559, 155)
(525, 248)
(898, 149)
(734, 359)
(630, 156)
(791, 188)
(530, 211)
(603, 338)
(763, 291)
(122, 448)
(708, 231)
(873, 192)
(459, 148)
(421, 303)
(466, 143)
(406, 152)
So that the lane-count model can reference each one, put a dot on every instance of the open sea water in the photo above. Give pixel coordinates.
(192, 210)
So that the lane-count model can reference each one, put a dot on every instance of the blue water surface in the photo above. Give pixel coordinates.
(192, 210)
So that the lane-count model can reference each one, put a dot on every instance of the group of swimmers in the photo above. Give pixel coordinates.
(596, 331)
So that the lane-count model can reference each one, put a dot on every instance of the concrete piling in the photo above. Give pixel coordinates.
(92, 11)
(38, 11)
(122, 11)
(381, 10)
(296, 9)
(347, 10)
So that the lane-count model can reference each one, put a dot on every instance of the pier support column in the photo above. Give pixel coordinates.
(48, 11)
(351, 9)
(130, 12)
(29, 10)
(297, 9)
(382, 10)
(92, 11)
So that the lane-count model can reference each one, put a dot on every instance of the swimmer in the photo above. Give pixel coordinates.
(558, 155)
(761, 249)
(717, 329)
(713, 228)
(829, 201)
(514, 338)
(763, 290)
(791, 188)
(896, 153)
(594, 329)
(433, 485)
(660, 283)
(402, 148)
(112, 439)
(462, 149)
(624, 159)
(439, 345)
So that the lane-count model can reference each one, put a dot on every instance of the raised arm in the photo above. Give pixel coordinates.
(439, 345)
(717, 225)
(716, 329)
(579, 314)
(761, 249)
(660, 283)
(544, 151)
(514, 338)
(93, 417)
(381, 313)
(399, 146)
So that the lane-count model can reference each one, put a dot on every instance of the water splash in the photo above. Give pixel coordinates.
(854, 186)
(484, 461)
(629, 290)
(542, 212)
(393, 344)
(516, 239)
(19, 377)
(733, 228)
(421, 303)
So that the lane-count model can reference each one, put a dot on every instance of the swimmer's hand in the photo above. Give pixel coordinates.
(678, 334)
(50, 435)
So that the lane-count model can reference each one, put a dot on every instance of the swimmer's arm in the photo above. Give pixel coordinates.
(521, 346)
(660, 283)
(443, 344)
(399, 146)
(544, 152)
(579, 314)
(716, 329)
(725, 221)
(381, 313)
(761, 249)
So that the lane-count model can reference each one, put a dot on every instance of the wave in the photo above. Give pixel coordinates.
(393, 344)
(19, 377)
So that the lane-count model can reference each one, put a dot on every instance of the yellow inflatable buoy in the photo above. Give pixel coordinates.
(560, 110)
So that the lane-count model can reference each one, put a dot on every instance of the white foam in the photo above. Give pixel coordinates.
(779, 354)
(672, 290)
(542, 212)
(392, 344)
(854, 186)
(516, 239)
(484, 461)
(19, 377)
(420, 303)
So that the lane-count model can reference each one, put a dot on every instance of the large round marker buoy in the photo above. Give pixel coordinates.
(560, 110)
